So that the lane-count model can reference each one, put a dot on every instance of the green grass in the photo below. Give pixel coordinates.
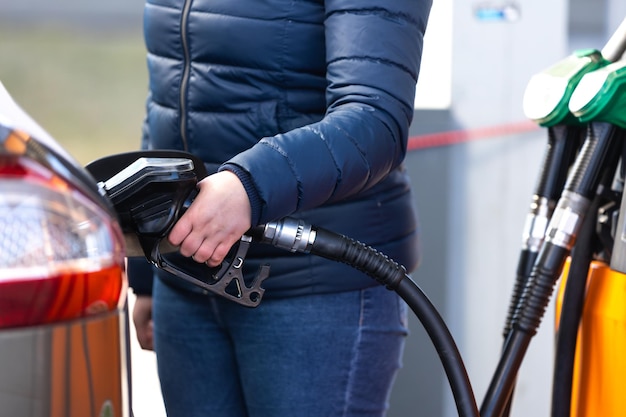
(86, 88)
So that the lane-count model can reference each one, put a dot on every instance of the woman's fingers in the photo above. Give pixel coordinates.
(215, 221)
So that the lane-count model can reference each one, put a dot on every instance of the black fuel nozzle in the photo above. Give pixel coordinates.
(150, 191)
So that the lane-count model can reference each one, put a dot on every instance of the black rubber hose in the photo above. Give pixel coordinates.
(501, 385)
(598, 151)
(595, 165)
(296, 236)
(563, 144)
(570, 315)
(596, 157)
(525, 263)
(444, 344)
(561, 149)
(389, 273)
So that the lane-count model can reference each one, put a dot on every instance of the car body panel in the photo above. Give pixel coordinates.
(77, 368)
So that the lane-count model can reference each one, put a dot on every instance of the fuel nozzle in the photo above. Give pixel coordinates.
(548, 92)
(149, 196)
(150, 191)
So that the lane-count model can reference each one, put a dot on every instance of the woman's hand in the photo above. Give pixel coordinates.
(215, 221)
(142, 318)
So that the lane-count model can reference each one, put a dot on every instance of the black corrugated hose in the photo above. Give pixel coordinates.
(387, 272)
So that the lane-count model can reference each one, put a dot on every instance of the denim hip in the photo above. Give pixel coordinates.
(319, 355)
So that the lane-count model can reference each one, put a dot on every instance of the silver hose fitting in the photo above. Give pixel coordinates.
(290, 234)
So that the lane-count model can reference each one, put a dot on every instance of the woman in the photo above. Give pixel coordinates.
(300, 109)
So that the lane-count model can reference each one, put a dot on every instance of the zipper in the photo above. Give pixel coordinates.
(184, 82)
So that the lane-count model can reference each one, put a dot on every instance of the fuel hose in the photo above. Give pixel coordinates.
(597, 156)
(295, 236)
(570, 316)
(561, 149)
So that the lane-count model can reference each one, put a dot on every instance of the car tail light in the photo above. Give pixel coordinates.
(61, 251)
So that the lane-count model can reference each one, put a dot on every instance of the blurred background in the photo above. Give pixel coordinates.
(78, 68)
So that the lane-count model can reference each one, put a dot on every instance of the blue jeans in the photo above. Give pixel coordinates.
(310, 356)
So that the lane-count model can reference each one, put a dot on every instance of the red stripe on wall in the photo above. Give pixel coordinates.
(452, 137)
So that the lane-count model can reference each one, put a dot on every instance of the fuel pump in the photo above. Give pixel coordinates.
(597, 365)
(546, 100)
(595, 101)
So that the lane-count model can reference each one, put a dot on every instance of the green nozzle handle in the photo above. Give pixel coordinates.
(548, 93)
(601, 96)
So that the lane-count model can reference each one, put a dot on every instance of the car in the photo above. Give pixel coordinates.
(64, 323)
